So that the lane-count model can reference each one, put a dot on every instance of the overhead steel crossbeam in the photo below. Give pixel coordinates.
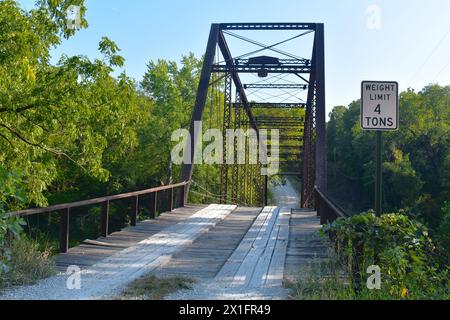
(276, 86)
(280, 118)
(274, 62)
(284, 138)
(268, 26)
(277, 124)
(255, 68)
(280, 147)
(275, 105)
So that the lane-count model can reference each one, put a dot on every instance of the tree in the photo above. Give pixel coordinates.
(416, 168)
(58, 123)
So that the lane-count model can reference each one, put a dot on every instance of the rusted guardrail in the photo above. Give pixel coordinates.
(327, 210)
(64, 209)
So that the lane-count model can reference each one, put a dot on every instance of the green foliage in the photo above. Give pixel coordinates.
(10, 227)
(416, 168)
(64, 125)
(411, 266)
(443, 232)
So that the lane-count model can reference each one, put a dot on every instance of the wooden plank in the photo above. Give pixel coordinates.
(273, 251)
(275, 274)
(247, 267)
(172, 237)
(126, 238)
(233, 263)
(304, 242)
(214, 247)
(104, 244)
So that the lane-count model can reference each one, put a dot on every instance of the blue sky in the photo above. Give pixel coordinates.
(410, 44)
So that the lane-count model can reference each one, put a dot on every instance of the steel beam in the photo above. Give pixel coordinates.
(279, 63)
(300, 69)
(267, 26)
(227, 109)
(276, 105)
(200, 101)
(235, 181)
(276, 86)
(237, 81)
(321, 165)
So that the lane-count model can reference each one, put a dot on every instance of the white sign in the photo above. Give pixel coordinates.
(379, 105)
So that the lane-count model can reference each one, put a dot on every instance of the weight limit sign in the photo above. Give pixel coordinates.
(379, 105)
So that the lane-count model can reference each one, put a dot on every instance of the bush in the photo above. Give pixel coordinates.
(443, 231)
(10, 227)
(21, 261)
(27, 264)
(411, 266)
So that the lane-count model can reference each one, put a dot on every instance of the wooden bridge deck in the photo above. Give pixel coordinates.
(208, 253)
(92, 251)
(231, 248)
(247, 244)
(304, 243)
(206, 256)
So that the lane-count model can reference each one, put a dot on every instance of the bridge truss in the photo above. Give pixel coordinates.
(274, 101)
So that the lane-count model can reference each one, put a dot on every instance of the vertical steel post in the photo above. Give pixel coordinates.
(170, 199)
(182, 197)
(266, 196)
(378, 172)
(64, 231)
(321, 160)
(226, 125)
(202, 94)
(134, 210)
(105, 219)
(153, 204)
(235, 181)
(308, 174)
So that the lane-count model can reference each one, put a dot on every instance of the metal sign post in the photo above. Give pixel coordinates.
(379, 112)
(378, 171)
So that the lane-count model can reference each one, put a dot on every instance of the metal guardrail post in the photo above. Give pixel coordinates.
(105, 219)
(170, 199)
(153, 204)
(182, 197)
(64, 231)
(134, 210)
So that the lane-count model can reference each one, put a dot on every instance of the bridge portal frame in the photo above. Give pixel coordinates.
(314, 155)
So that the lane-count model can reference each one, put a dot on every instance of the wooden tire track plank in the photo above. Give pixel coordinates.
(231, 267)
(275, 274)
(245, 272)
(258, 261)
(268, 266)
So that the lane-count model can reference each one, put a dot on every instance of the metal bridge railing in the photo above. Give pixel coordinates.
(64, 209)
(327, 209)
